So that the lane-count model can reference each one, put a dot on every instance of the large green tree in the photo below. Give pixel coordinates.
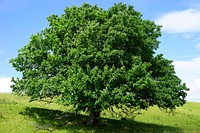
(95, 59)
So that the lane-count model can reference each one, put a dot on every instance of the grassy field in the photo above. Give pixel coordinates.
(17, 115)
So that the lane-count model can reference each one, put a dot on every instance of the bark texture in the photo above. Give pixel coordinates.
(93, 117)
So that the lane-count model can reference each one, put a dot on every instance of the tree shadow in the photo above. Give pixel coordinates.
(51, 120)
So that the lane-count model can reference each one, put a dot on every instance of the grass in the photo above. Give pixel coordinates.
(17, 115)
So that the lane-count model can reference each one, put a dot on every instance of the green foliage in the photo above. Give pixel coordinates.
(94, 59)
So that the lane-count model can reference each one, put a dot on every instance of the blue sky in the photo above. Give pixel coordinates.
(180, 40)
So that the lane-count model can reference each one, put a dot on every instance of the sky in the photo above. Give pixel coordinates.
(180, 40)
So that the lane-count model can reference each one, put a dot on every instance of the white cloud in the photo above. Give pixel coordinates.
(180, 21)
(189, 72)
(198, 46)
(5, 83)
(194, 93)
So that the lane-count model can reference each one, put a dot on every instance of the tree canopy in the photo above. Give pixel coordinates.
(94, 59)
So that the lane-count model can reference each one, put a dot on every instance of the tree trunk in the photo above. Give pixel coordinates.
(93, 118)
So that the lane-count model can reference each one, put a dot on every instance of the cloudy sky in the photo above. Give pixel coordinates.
(180, 40)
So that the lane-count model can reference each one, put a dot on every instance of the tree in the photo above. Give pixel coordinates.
(95, 59)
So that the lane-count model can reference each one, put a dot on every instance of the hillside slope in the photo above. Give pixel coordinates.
(17, 115)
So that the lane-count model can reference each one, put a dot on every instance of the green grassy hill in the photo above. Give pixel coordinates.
(17, 115)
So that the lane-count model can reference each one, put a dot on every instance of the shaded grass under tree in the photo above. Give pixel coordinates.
(51, 120)
(19, 116)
